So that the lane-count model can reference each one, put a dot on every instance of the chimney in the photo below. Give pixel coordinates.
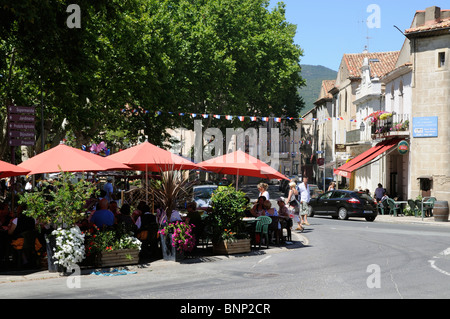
(432, 15)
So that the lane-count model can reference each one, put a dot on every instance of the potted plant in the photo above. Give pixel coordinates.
(172, 191)
(225, 222)
(114, 246)
(61, 206)
(178, 238)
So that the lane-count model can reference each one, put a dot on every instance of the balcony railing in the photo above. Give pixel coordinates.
(390, 124)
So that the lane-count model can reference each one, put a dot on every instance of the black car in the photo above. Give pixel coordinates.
(343, 204)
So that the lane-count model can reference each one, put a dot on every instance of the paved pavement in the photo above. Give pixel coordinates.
(298, 240)
(411, 220)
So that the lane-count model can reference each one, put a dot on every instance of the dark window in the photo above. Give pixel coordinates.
(338, 194)
(441, 59)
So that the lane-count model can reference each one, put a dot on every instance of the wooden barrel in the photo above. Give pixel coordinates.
(440, 211)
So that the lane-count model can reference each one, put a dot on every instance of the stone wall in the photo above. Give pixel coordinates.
(431, 97)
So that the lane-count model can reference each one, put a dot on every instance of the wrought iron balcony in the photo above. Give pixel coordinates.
(390, 124)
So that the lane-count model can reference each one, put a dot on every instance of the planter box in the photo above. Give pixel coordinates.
(120, 257)
(169, 252)
(229, 248)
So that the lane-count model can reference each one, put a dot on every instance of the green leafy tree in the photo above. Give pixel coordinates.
(217, 57)
(61, 205)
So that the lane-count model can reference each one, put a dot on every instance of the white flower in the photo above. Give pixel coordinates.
(69, 246)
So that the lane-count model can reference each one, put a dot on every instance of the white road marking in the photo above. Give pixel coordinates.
(265, 258)
(444, 254)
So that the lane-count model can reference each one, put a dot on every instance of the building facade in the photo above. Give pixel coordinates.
(429, 45)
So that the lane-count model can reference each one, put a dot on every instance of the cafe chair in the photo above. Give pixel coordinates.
(26, 246)
(413, 207)
(428, 206)
(262, 228)
(381, 207)
(286, 224)
(393, 209)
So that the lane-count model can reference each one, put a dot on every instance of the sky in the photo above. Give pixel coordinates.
(328, 29)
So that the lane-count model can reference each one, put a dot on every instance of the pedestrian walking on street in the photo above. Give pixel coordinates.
(262, 187)
(305, 197)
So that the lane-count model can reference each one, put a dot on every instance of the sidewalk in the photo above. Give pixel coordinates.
(298, 241)
(401, 219)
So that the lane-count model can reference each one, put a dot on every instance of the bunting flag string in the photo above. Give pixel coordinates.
(239, 117)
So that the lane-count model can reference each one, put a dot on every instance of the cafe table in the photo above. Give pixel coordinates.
(400, 204)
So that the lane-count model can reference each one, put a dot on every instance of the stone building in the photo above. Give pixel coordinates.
(428, 45)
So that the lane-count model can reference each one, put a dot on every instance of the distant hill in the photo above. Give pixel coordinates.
(314, 75)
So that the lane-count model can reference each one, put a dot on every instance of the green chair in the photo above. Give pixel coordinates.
(428, 206)
(413, 207)
(381, 206)
(262, 227)
(393, 209)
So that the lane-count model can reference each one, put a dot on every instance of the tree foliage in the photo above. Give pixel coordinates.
(206, 56)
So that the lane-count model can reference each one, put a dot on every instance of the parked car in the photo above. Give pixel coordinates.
(343, 204)
(202, 195)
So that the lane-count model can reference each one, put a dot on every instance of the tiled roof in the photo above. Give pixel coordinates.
(444, 23)
(386, 64)
(327, 85)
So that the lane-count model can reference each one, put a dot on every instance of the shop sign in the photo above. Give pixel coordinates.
(425, 126)
(403, 147)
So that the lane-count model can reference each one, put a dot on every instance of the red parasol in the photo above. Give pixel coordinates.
(241, 164)
(68, 159)
(8, 170)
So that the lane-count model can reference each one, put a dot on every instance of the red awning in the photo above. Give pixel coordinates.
(351, 166)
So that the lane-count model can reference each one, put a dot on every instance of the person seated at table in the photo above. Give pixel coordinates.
(124, 217)
(268, 210)
(146, 218)
(18, 229)
(275, 226)
(283, 211)
(258, 208)
(385, 196)
(113, 207)
(138, 211)
(194, 217)
(102, 217)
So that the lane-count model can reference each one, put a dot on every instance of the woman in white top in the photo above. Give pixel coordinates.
(332, 186)
(262, 187)
(293, 204)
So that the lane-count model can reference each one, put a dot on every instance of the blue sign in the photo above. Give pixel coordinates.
(425, 126)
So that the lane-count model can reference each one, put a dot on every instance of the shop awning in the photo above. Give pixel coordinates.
(351, 166)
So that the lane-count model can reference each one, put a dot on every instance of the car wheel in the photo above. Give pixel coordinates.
(342, 213)
(370, 219)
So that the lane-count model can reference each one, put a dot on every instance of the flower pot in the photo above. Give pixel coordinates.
(50, 241)
(236, 247)
(169, 252)
(119, 257)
